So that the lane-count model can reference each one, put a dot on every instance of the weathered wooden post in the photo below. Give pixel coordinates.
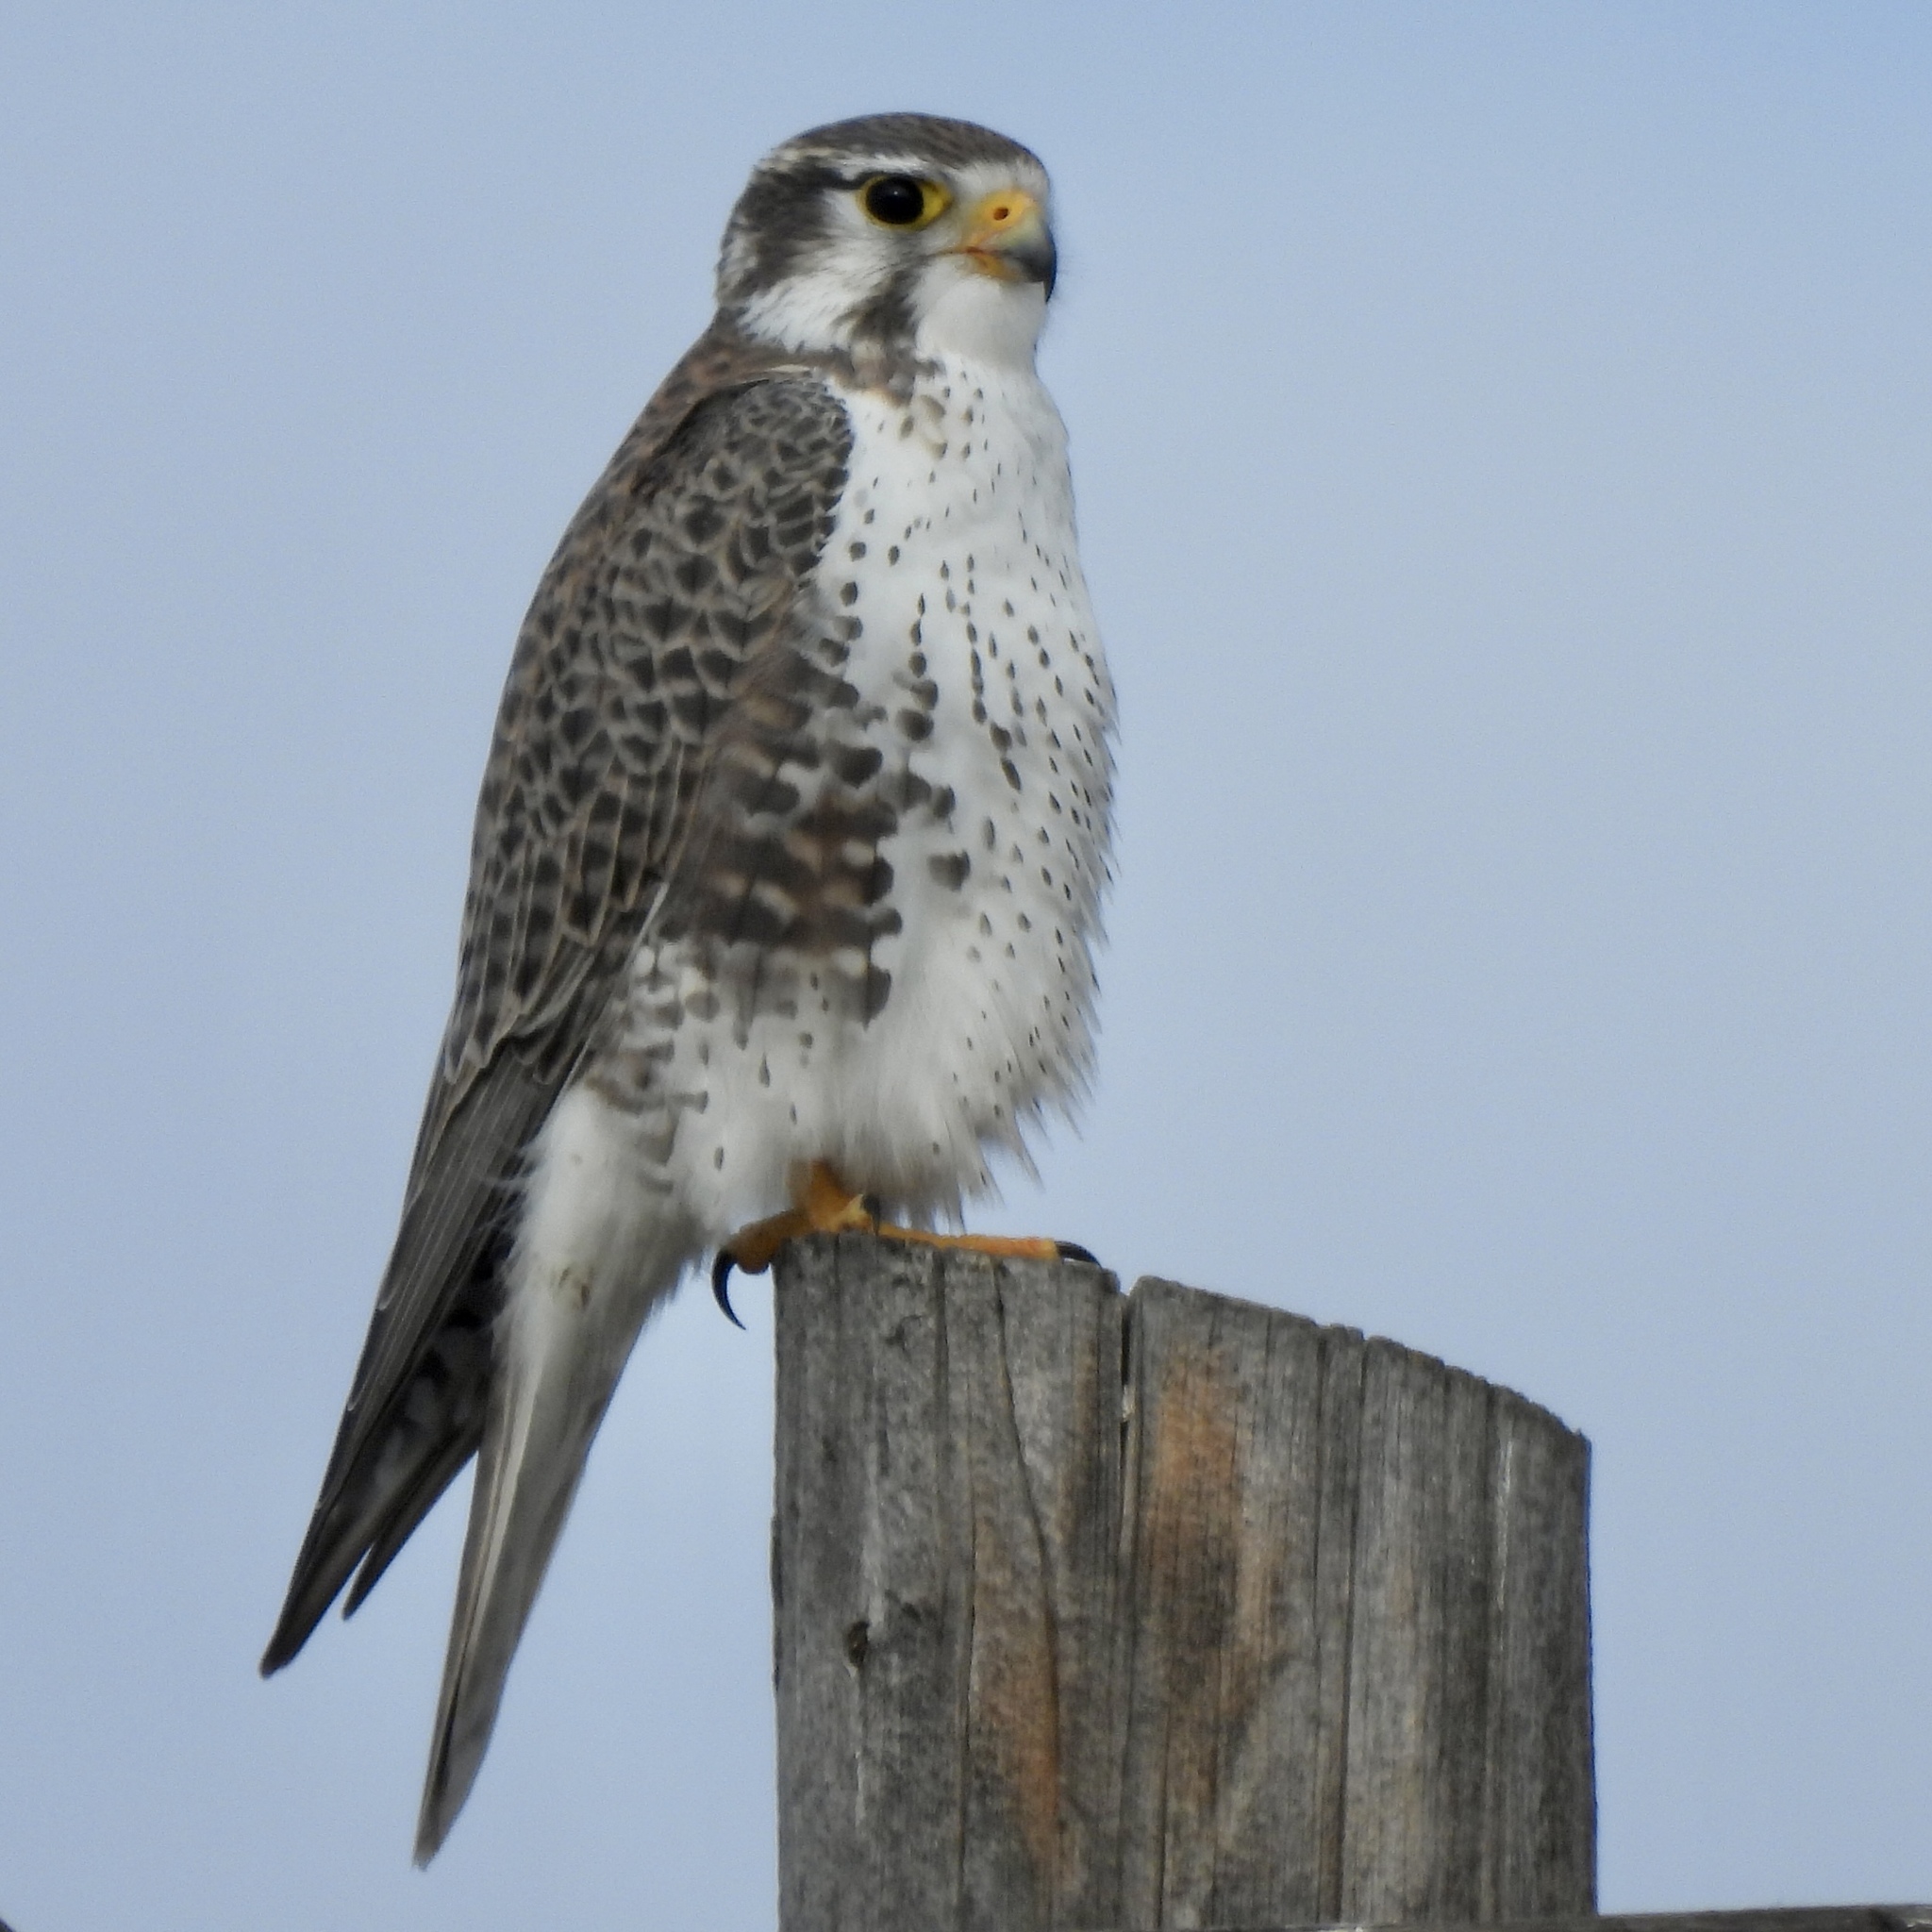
(1161, 1610)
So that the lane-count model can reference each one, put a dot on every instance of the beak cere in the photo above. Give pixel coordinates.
(1007, 237)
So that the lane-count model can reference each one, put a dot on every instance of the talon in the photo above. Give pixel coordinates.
(821, 1204)
(721, 1276)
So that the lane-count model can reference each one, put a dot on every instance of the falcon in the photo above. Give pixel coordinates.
(786, 873)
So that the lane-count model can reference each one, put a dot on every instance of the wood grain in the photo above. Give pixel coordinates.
(1166, 1611)
(944, 1561)
(1766, 1918)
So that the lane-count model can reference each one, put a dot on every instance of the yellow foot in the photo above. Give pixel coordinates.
(824, 1204)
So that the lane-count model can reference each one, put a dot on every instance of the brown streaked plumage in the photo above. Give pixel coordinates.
(634, 640)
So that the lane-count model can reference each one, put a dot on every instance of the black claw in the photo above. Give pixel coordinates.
(1072, 1251)
(721, 1276)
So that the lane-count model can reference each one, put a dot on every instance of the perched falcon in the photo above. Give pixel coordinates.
(787, 866)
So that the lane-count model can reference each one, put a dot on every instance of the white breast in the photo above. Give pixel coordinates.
(981, 680)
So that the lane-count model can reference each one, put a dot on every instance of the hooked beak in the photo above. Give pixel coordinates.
(1007, 237)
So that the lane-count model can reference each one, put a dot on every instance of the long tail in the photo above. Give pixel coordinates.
(582, 1288)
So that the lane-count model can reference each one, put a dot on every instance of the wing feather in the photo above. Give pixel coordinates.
(600, 748)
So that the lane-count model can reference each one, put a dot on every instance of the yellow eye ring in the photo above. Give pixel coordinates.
(902, 201)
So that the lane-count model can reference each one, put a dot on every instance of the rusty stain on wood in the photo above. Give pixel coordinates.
(1014, 1691)
(1185, 1511)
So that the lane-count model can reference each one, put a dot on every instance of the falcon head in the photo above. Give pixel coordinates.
(899, 234)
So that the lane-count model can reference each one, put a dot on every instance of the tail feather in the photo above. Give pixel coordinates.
(557, 1366)
(408, 1509)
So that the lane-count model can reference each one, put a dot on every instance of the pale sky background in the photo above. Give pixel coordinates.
(1504, 446)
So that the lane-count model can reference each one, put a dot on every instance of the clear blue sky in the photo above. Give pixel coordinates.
(1503, 442)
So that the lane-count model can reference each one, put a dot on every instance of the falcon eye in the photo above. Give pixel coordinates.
(899, 201)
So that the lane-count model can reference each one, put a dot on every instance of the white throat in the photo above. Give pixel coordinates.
(978, 319)
(957, 311)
